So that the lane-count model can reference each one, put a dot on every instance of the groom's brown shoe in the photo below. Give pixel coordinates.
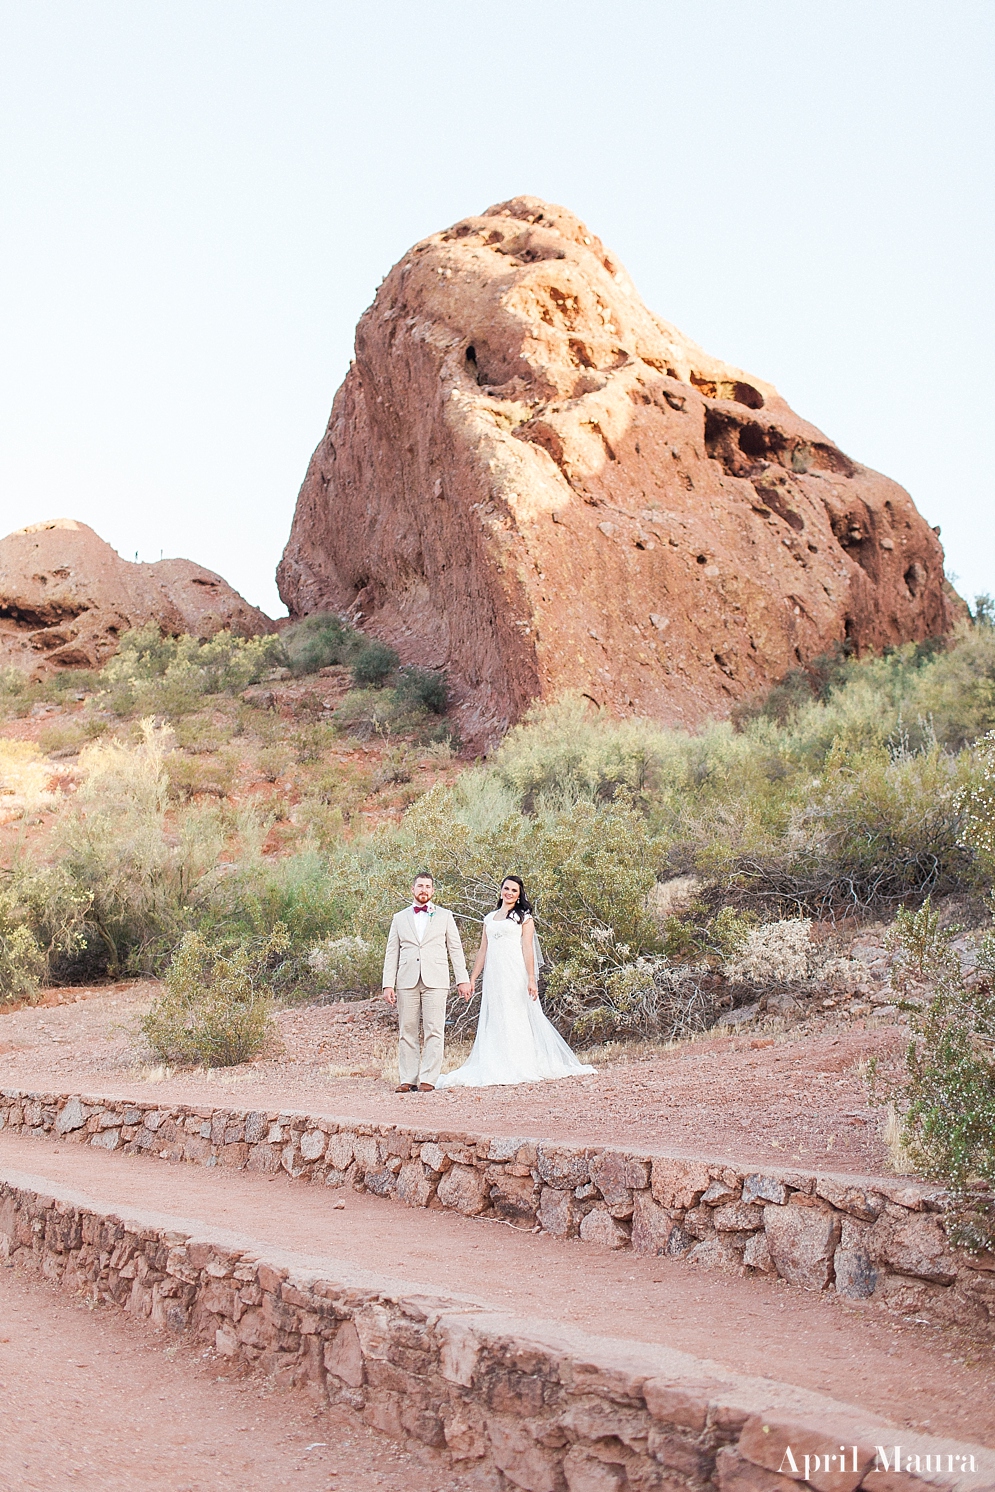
(426, 1087)
(406, 1088)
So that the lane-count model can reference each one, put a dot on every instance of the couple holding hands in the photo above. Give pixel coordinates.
(515, 1043)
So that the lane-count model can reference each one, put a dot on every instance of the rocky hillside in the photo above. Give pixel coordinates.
(66, 596)
(532, 481)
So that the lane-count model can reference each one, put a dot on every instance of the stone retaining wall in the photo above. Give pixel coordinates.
(545, 1408)
(861, 1236)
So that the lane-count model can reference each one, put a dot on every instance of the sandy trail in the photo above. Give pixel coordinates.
(768, 1100)
(936, 1381)
(96, 1400)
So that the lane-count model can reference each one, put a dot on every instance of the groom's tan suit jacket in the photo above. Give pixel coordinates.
(410, 959)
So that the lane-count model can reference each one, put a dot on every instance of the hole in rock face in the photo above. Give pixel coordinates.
(753, 441)
(582, 353)
(703, 559)
(915, 578)
(725, 388)
(853, 532)
(740, 445)
(778, 500)
(471, 354)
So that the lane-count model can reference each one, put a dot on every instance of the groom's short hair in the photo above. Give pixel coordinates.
(425, 875)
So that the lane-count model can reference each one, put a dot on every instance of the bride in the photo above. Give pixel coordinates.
(515, 1043)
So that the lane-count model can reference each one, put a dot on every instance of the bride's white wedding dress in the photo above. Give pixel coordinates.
(515, 1043)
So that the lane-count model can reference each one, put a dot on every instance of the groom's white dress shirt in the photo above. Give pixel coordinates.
(422, 918)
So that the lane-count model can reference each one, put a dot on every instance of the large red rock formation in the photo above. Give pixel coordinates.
(530, 480)
(66, 596)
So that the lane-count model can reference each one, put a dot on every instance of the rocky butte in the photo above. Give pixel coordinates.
(532, 481)
(66, 596)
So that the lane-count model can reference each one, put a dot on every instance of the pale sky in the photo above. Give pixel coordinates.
(198, 200)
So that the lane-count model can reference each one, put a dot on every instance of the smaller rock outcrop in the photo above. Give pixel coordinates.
(66, 597)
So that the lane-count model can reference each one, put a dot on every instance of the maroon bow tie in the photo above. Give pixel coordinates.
(420, 909)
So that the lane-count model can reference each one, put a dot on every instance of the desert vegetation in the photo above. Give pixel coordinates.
(199, 819)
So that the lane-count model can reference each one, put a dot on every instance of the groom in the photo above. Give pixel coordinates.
(423, 938)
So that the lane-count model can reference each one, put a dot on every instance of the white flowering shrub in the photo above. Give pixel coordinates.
(347, 966)
(774, 953)
(977, 804)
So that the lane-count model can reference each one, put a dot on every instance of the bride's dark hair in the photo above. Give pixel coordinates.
(522, 907)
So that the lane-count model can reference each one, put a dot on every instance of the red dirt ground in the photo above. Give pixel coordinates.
(934, 1380)
(783, 1097)
(96, 1400)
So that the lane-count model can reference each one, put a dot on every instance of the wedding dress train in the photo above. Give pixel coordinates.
(515, 1043)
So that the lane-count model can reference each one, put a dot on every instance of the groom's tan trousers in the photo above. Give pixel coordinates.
(424, 1065)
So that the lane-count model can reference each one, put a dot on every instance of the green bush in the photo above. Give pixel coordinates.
(598, 995)
(22, 960)
(18, 691)
(319, 641)
(945, 1095)
(134, 877)
(373, 664)
(426, 686)
(273, 761)
(158, 674)
(216, 1007)
(347, 966)
(66, 738)
(188, 777)
(388, 713)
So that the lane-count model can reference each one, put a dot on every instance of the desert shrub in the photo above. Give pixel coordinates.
(938, 691)
(311, 895)
(216, 1007)
(347, 966)
(18, 691)
(43, 902)
(774, 953)
(977, 805)
(310, 741)
(600, 993)
(25, 778)
(874, 828)
(164, 675)
(66, 738)
(273, 761)
(188, 776)
(22, 959)
(388, 713)
(817, 680)
(945, 1092)
(322, 824)
(373, 664)
(426, 686)
(701, 933)
(200, 733)
(319, 641)
(565, 750)
(136, 878)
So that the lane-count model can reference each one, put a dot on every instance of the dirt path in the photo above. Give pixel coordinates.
(931, 1380)
(96, 1400)
(792, 1097)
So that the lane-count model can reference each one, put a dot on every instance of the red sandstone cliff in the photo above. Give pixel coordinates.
(66, 596)
(530, 480)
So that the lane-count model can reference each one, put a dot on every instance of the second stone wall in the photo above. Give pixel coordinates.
(860, 1236)
(550, 1409)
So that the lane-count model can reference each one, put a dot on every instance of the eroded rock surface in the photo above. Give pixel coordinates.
(66, 596)
(529, 479)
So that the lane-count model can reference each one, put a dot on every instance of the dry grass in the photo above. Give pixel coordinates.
(25, 778)
(891, 1133)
